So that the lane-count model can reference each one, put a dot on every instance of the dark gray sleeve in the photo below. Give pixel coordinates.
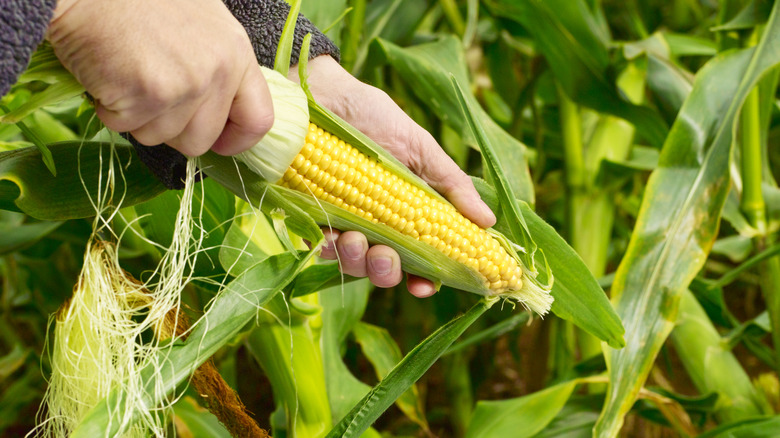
(22, 26)
(263, 21)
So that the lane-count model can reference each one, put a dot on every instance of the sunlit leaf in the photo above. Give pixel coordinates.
(520, 417)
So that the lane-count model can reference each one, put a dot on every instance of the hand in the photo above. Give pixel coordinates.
(373, 112)
(180, 72)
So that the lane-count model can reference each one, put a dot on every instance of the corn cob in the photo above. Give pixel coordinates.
(301, 156)
(335, 172)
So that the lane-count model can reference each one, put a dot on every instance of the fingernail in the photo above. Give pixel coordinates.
(381, 265)
(353, 250)
(488, 217)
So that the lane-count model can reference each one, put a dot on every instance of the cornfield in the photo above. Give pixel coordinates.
(630, 287)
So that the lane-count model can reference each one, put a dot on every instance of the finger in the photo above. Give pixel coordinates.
(352, 247)
(383, 266)
(122, 120)
(419, 287)
(329, 247)
(431, 163)
(251, 115)
(165, 128)
(203, 129)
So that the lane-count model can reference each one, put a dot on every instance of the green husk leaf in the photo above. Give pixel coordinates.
(535, 290)
(278, 216)
(285, 46)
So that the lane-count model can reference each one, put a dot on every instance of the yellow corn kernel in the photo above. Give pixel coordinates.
(339, 174)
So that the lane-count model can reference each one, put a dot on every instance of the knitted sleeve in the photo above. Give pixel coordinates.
(263, 21)
(22, 26)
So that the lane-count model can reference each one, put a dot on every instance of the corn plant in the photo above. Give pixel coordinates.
(628, 150)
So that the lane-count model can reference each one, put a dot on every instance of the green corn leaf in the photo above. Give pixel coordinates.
(382, 351)
(327, 16)
(428, 67)
(519, 417)
(754, 13)
(342, 308)
(212, 206)
(408, 371)
(286, 345)
(567, 34)
(679, 217)
(14, 237)
(752, 428)
(65, 88)
(236, 306)
(321, 276)
(490, 333)
(239, 251)
(41, 195)
(576, 419)
(711, 365)
(669, 84)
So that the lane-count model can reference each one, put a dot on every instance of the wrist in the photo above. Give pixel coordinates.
(322, 72)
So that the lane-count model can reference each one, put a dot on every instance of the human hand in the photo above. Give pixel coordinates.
(180, 72)
(374, 113)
